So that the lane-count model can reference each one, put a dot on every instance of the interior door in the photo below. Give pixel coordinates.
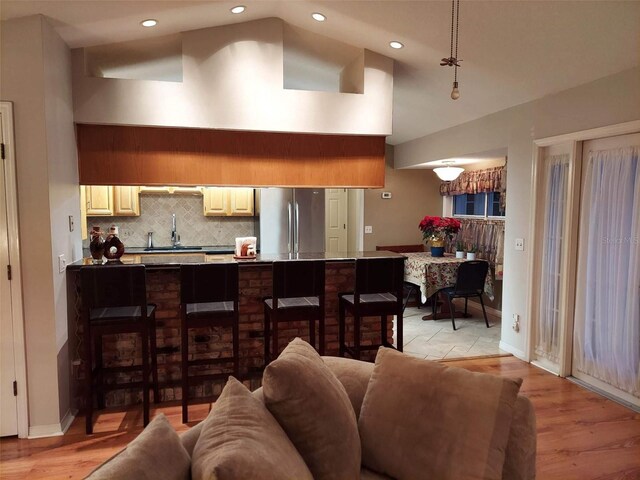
(336, 220)
(606, 339)
(8, 401)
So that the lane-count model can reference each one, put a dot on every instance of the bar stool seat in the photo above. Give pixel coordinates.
(378, 292)
(208, 298)
(297, 295)
(114, 301)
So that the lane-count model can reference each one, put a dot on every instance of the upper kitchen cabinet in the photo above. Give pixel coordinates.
(108, 201)
(99, 200)
(224, 202)
(172, 190)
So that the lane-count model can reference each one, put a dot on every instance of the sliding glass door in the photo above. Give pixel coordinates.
(606, 340)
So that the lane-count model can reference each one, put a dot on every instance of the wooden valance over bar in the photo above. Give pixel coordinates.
(126, 155)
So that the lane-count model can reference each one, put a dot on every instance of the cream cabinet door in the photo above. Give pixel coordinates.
(241, 201)
(126, 201)
(216, 202)
(99, 200)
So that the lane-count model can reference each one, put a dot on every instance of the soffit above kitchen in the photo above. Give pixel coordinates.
(513, 51)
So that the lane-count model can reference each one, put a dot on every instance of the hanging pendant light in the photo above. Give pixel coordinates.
(448, 173)
(453, 61)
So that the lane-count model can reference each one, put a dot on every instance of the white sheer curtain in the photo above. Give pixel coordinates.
(607, 332)
(556, 169)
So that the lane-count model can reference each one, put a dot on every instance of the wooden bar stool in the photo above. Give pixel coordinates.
(298, 294)
(208, 298)
(114, 301)
(378, 292)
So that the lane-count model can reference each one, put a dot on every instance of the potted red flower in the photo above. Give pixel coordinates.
(436, 229)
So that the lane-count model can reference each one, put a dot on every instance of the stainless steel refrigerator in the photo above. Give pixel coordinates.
(291, 220)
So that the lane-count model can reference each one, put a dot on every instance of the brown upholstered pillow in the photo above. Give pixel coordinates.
(155, 454)
(241, 439)
(422, 419)
(312, 406)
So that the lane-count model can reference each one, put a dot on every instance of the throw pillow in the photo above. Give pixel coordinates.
(422, 419)
(314, 409)
(241, 439)
(155, 454)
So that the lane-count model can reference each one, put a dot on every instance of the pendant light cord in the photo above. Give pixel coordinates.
(455, 67)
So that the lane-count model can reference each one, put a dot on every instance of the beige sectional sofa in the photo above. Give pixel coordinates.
(404, 432)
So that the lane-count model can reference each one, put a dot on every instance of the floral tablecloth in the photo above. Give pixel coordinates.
(433, 273)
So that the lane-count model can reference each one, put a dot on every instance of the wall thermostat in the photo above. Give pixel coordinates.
(386, 195)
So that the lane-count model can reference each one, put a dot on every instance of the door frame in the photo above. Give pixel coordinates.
(567, 288)
(6, 109)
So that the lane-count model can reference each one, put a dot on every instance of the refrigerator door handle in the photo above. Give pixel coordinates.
(289, 232)
(296, 235)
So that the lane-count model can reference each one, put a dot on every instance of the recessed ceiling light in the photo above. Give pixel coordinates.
(395, 44)
(238, 9)
(318, 17)
(150, 22)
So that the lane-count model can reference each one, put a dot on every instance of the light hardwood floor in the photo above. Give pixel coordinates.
(581, 435)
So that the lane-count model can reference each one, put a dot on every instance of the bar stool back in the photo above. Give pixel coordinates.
(378, 292)
(114, 300)
(208, 298)
(297, 294)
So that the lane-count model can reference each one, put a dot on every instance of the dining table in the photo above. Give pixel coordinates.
(431, 274)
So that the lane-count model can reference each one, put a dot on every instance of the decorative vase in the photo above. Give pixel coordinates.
(96, 247)
(437, 247)
(459, 254)
(113, 247)
(471, 255)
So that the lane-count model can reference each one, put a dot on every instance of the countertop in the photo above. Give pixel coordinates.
(172, 260)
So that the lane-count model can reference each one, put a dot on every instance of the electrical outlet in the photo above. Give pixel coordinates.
(520, 244)
(62, 263)
(368, 229)
(516, 323)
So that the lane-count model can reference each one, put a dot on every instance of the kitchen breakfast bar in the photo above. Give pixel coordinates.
(254, 285)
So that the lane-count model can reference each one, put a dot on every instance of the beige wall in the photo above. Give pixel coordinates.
(36, 73)
(233, 78)
(415, 193)
(608, 101)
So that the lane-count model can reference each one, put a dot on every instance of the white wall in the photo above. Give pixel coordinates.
(36, 76)
(233, 78)
(611, 100)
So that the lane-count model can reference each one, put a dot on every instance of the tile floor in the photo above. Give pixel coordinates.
(437, 340)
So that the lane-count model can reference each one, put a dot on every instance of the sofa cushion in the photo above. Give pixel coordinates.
(354, 376)
(422, 419)
(520, 461)
(155, 454)
(313, 408)
(241, 439)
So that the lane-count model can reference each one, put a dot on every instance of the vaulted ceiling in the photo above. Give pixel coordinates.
(513, 51)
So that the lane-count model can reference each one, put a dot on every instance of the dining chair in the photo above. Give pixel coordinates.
(114, 301)
(378, 292)
(469, 283)
(297, 294)
(208, 298)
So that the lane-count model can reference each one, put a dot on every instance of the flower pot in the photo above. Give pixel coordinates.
(437, 247)
(471, 256)
(459, 254)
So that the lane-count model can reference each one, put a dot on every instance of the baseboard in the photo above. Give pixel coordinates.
(513, 350)
(54, 429)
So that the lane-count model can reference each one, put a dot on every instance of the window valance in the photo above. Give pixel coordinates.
(476, 181)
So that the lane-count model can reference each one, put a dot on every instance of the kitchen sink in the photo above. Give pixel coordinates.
(171, 249)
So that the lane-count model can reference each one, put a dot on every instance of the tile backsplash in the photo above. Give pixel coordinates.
(192, 226)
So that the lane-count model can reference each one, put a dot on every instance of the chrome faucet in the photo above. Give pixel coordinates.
(150, 240)
(175, 238)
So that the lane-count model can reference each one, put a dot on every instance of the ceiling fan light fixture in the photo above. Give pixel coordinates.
(448, 173)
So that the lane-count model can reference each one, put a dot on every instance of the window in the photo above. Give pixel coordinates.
(477, 205)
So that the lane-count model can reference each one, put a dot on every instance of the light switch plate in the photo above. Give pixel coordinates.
(520, 244)
(62, 263)
(386, 195)
(71, 223)
(368, 229)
